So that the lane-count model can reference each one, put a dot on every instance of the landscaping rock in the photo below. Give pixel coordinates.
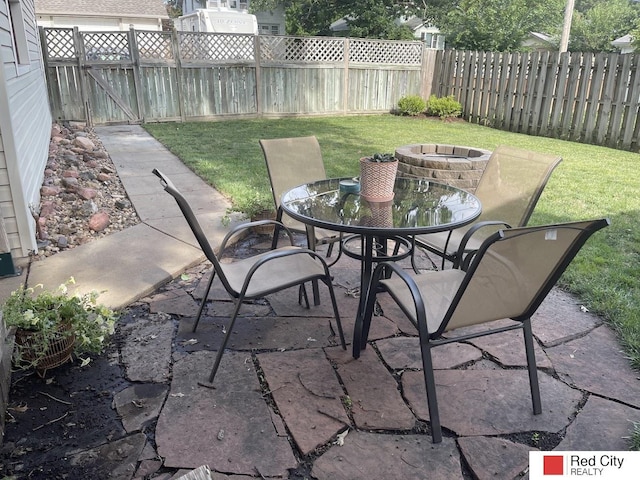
(79, 170)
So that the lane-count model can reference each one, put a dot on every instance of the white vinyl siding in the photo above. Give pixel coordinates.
(99, 24)
(25, 128)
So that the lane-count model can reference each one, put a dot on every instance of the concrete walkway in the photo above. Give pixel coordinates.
(156, 250)
(289, 402)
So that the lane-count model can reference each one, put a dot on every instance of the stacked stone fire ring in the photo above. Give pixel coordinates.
(454, 165)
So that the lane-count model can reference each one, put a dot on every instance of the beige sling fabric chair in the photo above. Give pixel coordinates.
(509, 189)
(509, 276)
(292, 162)
(257, 276)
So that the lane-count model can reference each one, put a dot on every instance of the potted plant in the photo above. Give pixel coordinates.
(263, 211)
(378, 176)
(51, 326)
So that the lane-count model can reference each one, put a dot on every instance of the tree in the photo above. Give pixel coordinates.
(431, 11)
(594, 28)
(174, 8)
(635, 38)
(366, 18)
(310, 17)
(499, 25)
(374, 19)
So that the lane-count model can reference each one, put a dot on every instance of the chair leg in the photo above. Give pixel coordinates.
(531, 366)
(204, 300)
(363, 321)
(430, 383)
(334, 303)
(216, 363)
(276, 230)
(330, 249)
(311, 244)
(413, 256)
(302, 295)
(315, 289)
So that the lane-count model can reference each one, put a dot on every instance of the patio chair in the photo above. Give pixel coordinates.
(509, 189)
(292, 162)
(257, 276)
(509, 276)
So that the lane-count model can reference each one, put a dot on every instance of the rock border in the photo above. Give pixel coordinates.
(82, 197)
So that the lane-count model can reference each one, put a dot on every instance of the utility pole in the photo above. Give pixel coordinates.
(566, 27)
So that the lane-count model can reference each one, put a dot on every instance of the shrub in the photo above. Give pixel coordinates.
(411, 105)
(445, 107)
(52, 315)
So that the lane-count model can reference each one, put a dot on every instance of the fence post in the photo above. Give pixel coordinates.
(345, 84)
(78, 45)
(135, 56)
(175, 45)
(258, 72)
(45, 59)
(427, 71)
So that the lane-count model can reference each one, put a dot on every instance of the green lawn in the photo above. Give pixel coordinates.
(591, 182)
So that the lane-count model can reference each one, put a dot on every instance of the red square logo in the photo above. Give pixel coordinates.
(553, 465)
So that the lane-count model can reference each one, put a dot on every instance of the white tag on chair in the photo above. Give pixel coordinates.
(551, 234)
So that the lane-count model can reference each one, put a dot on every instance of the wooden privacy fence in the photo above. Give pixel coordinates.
(136, 76)
(582, 97)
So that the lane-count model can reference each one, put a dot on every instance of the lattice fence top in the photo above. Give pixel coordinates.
(301, 49)
(59, 43)
(385, 51)
(154, 45)
(216, 46)
(106, 46)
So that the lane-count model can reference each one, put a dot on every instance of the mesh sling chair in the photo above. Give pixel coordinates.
(508, 277)
(256, 276)
(509, 189)
(292, 162)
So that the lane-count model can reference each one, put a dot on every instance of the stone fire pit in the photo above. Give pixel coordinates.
(453, 165)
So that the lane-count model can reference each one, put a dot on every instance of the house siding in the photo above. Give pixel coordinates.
(102, 16)
(25, 126)
(99, 24)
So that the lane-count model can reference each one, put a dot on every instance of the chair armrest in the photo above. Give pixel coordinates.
(418, 301)
(460, 257)
(280, 253)
(244, 226)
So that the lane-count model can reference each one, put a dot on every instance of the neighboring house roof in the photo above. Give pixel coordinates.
(539, 41)
(414, 23)
(117, 8)
(339, 25)
(541, 36)
(624, 42)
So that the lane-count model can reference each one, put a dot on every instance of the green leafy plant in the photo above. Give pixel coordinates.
(535, 439)
(52, 316)
(444, 107)
(411, 105)
(635, 437)
(382, 158)
(256, 204)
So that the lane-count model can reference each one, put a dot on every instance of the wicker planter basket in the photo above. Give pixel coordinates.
(377, 179)
(264, 215)
(59, 352)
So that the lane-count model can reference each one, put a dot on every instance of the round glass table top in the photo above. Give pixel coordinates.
(418, 206)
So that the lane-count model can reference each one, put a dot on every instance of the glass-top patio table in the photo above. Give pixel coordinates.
(419, 206)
